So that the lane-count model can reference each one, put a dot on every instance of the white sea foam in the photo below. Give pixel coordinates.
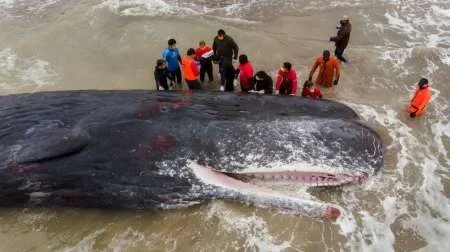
(87, 243)
(29, 73)
(20, 8)
(252, 227)
(126, 240)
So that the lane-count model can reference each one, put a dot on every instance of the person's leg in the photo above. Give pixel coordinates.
(244, 90)
(209, 70)
(178, 76)
(172, 76)
(282, 90)
(164, 85)
(194, 84)
(202, 72)
(229, 84)
(339, 52)
(289, 91)
(223, 80)
(198, 85)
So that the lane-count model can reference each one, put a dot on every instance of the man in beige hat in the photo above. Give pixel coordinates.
(342, 38)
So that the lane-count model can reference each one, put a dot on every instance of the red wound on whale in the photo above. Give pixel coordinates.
(331, 213)
(24, 168)
(163, 142)
(146, 112)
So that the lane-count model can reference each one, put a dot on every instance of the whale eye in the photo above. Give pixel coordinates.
(164, 109)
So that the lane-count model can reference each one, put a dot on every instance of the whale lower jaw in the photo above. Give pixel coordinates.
(318, 179)
(236, 187)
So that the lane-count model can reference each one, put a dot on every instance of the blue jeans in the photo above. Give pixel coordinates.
(338, 52)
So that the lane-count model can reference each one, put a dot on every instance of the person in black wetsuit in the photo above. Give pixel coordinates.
(161, 74)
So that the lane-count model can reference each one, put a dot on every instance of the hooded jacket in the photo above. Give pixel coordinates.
(225, 47)
(343, 36)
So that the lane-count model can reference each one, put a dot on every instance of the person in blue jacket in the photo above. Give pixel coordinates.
(173, 58)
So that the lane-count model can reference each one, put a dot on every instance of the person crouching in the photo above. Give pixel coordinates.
(310, 91)
(161, 74)
(263, 83)
(286, 80)
(245, 73)
(190, 70)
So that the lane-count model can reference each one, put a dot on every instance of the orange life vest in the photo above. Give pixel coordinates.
(186, 62)
(420, 101)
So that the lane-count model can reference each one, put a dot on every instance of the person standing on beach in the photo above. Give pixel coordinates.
(203, 55)
(173, 58)
(224, 46)
(342, 38)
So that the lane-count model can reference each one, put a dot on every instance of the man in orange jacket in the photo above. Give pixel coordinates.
(190, 70)
(420, 99)
(328, 68)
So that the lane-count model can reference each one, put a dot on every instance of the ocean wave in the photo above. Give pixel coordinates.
(30, 73)
(20, 8)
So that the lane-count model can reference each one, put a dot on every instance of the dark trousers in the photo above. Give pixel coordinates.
(285, 89)
(245, 89)
(338, 52)
(193, 84)
(228, 84)
(207, 68)
(163, 84)
(175, 75)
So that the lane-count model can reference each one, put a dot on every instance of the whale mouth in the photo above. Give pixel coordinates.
(239, 187)
(317, 179)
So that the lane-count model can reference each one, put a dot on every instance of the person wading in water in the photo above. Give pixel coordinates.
(342, 37)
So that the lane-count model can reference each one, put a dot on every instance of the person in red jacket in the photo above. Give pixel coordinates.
(203, 54)
(245, 73)
(420, 99)
(190, 69)
(310, 91)
(286, 80)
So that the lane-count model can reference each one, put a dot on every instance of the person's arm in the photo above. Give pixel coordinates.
(337, 68)
(214, 47)
(278, 83)
(304, 92)
(294, 82)
(237, 72)
(198, 54)
(194, 68)
(164, 55)
(156, 79)
(235, 48)
(179, 57)
(342, 33)
(314, 68)
(269, 88)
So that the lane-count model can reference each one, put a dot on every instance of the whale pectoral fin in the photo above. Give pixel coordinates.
(51, 144)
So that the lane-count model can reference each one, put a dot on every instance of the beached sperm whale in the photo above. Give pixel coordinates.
(141, 149)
